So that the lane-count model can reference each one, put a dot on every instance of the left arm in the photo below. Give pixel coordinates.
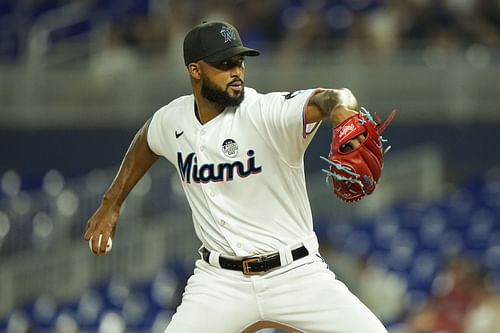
(335, 104)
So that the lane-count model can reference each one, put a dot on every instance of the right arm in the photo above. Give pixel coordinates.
(137, 161)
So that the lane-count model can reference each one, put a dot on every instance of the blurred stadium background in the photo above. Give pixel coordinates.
(78, 78)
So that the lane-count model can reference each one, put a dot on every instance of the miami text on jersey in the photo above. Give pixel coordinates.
(210, 172)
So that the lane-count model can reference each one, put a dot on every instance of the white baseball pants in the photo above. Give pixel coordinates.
(304, 296)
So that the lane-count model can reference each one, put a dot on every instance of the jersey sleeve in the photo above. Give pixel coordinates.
(156, 139)
(281, 118)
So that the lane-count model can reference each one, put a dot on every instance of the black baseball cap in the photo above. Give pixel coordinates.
(214, 42)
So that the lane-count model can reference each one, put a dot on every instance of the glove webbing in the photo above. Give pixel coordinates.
(348, 170)
(370, 118)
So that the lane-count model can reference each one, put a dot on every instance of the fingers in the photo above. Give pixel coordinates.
(352, 144)
(98, 244)
(89, 230)
(102, 225)
(91, 234)
(99, 240)
(102, 247)
(357, 141)
(95, 245)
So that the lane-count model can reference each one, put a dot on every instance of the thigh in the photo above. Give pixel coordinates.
(215, 300)
(310, 299)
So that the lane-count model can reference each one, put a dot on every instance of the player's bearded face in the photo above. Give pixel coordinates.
(213, 93)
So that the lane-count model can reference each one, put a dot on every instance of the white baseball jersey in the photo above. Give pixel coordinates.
(243, 171)
(243, 175)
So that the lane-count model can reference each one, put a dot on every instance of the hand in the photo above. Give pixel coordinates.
(339, 114)
(102, 222)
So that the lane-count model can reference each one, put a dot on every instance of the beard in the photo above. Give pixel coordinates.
(221, 97)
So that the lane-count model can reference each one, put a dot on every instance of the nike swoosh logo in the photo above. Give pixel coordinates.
(178, 134)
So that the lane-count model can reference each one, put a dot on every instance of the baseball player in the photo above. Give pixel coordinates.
(239, 155)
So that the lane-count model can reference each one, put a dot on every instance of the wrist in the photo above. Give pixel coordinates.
(111, 201)
(340, 113)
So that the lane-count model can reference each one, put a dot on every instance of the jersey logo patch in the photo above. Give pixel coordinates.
(178, 134)
(230, 148)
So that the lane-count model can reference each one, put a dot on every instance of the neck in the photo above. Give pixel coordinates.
(206, 110)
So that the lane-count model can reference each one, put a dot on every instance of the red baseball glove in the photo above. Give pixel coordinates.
(354, 172)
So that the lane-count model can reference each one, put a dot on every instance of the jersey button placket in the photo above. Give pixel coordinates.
(201, 139)
(203, 157)
(210, 192)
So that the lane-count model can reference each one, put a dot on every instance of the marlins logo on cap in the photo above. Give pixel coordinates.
(228, 33)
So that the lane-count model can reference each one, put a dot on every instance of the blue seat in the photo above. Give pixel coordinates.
(410, 214)
(18, 321)
(400, 259)
(160, 321)
(452, 243)
(491, 258)
(137, 310)
(432, 228)
(384, 231)
(423, 271)
(42, 312)
(89, 310)
(115, 292)
(478, 233)
(337, 232)
(357, 242)
(165, 289)
(111, 321)
(65, 321)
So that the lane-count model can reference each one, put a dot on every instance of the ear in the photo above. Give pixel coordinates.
(194, 70)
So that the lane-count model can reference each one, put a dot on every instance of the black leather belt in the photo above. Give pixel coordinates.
(254, 264)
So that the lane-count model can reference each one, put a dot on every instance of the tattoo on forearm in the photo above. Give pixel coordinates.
(326, 101)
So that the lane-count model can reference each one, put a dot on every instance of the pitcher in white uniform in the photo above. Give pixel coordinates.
(239, 155)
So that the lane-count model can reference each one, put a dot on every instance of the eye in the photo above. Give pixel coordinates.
(230, 63)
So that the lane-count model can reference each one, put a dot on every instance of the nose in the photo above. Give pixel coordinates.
(237, 71)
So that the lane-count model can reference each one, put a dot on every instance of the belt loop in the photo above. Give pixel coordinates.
(200, 251)
(213, 259)
(285, 255)
(311, 244)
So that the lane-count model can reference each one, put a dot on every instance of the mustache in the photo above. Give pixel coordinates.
(235, 80)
